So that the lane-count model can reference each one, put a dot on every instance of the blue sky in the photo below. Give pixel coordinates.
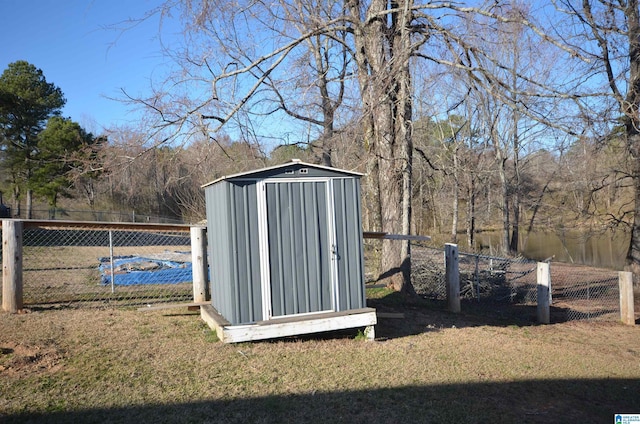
(69, 41)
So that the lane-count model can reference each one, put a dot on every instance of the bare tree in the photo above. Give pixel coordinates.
(88, 170)
(607, 35)
(383, 48)
(202, 162)
(316, 92)
(507, 80)
(233, 68)
(238, 54)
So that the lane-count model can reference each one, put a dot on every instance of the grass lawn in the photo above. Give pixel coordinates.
(117, 365)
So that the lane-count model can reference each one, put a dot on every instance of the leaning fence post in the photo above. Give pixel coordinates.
(199, 264)
(452, 276)
(627, 314)
(11, 265)
(544, 292)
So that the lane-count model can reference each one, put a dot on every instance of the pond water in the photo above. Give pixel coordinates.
(606, 249)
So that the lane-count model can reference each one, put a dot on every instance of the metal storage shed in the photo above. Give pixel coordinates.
(285, 252)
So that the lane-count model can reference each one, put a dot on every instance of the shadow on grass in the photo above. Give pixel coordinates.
(424, 315)
(537, 401)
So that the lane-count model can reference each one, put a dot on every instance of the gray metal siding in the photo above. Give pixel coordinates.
(218, 236)
(234, 251)
(346, 193)
(299, 248)
(299, 244)
(246, 253)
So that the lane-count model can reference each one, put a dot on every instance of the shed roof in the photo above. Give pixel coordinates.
(256, 173)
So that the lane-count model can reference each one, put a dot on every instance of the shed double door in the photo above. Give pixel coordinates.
(300, 245)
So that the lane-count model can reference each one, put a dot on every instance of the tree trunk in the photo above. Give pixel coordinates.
(372, 196)
(29, 205)
(632, 129)
(383, 48)
(328, 111)
(471, 213)
(403, 131)
(633, 251)
(505, 204)
(323, 151)
(16, 200)
(515, 224)
(391, 184)
(456, 199)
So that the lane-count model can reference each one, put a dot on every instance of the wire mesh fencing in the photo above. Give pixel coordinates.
(581, 292)
(428, 272)
(95, 266)
(92, 265)
(482, 278)
(496, 283)
(496, 279)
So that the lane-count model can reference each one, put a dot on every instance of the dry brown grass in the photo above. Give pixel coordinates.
(120, 365)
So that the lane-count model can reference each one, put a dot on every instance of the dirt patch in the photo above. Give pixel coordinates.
(20, 360)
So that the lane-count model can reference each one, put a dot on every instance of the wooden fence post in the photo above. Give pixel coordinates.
(544, 292)
(12, 265)
(199, 264)
(452, 276)
(627, 314)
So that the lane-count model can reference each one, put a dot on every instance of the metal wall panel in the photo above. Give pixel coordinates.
(246, 253)
(218, 235)
(233, 251)
(299, 249)
(346, 194)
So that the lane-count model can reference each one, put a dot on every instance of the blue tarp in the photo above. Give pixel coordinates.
(136, 270)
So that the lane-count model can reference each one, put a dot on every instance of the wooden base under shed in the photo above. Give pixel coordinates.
(289, 326)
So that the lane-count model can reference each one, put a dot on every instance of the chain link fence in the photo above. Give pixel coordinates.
(93, 266)
(496, 283)
(496, 279)
(581, 292)
(482, 278)
(127, 265)
(428, 272)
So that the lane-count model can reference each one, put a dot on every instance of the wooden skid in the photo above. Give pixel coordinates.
(290, 326)
(193, 306)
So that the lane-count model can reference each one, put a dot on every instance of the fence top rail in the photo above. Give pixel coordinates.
(138, 226)
(387, 236)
